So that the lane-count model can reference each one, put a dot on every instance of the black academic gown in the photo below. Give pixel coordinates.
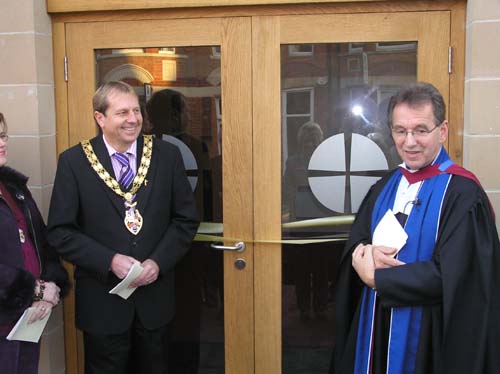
(458, 288)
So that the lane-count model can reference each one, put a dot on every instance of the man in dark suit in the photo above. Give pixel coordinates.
(122, 198)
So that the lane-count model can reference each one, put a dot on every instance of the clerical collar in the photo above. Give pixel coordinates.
(403, 165)
(424, 173)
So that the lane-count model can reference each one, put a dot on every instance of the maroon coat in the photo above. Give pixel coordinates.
(16, 283)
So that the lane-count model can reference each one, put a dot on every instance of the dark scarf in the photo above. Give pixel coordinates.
(12, 177)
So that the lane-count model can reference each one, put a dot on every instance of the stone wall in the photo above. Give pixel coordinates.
(482, 96)
(27, 101)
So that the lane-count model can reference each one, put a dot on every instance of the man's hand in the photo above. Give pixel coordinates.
(121, 264)
(148, 275)
(362, 262)
(383, 257)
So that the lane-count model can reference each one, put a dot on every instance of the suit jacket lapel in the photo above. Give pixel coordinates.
(102, 154)
(145, 190)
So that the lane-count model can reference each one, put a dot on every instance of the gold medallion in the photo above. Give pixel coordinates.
(133, 219)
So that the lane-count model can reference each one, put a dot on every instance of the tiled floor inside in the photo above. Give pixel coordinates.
(307, 346)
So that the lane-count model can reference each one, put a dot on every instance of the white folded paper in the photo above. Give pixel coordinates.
(122, 289)
(389, 232)
(28, 332)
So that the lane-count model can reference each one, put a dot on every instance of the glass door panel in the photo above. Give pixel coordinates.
(183, 91)
(179, 91)
(327, 79)
(267, 75)
(335, 145)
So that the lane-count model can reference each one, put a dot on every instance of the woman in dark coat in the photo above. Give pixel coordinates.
(31, 274)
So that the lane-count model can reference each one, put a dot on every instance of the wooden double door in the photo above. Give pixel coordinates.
(247, 83)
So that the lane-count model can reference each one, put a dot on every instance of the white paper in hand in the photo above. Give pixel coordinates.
(389, 232)
(121, 289)
(28, 332)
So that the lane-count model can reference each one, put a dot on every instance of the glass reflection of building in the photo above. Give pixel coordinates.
(179, 92)
(343, 89)
(192, 71)
(325, 82)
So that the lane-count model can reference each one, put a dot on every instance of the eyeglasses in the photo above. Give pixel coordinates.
(4, 137)
(419, 133)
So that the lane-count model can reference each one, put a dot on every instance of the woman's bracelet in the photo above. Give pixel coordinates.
(41, 289)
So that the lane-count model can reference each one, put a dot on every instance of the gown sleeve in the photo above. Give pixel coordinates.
(462, 263)
(418, 283)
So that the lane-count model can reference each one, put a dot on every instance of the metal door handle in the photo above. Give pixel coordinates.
(238, 247)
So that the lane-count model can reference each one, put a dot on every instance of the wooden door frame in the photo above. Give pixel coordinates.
(233, 34)
(63, 6)
(60, 18)
(267, 262)
(269, 33)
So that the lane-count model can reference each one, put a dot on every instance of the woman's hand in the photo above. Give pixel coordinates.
(49, 291)
(42, 308)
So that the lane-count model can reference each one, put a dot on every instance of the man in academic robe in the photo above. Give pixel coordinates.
(119, 199)
(433, 307)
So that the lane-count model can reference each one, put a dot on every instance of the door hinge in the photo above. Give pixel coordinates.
(450, 55)
(65, 68)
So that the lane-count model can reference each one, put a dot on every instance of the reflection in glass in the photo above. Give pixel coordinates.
(335, 145)
(179, 91)
(301, 49)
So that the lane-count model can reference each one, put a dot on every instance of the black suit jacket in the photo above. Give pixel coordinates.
(86, 227)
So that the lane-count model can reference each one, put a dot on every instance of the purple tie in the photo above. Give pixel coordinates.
(126, 175)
